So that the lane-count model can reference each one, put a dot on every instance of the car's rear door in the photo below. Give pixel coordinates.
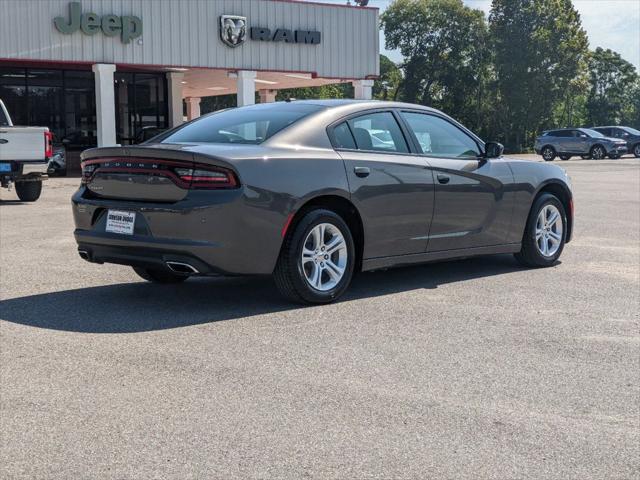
(473, 201)
(390, 186)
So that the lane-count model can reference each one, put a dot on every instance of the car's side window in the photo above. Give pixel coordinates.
(379, 132)
(563, 133)
(342, 137)
(437, 137)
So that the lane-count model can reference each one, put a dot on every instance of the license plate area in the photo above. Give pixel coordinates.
(121, 222)
(5, 167)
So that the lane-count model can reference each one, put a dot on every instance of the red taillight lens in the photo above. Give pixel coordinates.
(207, 177)
(188, 176)
(87, 171)
(48, 145)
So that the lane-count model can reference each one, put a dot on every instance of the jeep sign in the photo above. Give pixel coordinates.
(128, 27)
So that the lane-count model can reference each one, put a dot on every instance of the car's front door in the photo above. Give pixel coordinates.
(474, 198)
(579, 142)
(390, 186)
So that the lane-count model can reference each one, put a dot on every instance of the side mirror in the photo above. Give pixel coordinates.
(493, 150)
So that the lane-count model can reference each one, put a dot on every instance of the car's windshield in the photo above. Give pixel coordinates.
(592, 133)
(246, 125)
(630, 130)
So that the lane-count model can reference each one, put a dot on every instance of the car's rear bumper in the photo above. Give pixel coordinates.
(135, 251)
(217, 233)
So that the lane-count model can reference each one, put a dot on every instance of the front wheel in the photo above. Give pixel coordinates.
(159, 276)
(598, 152)
(317, 259)
(545, 234)
(548, 154)
(29, 191)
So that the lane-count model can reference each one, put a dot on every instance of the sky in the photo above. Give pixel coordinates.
(613, 24)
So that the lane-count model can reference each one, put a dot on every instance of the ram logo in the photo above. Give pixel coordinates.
(233, 29)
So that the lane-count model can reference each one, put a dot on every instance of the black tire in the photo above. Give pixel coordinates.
(548, 153)
(597, 152)
(159, 276)
(636, 150)
(289, 275)
(565, 157)
(529, 255)
(585, 157)
(29, 191)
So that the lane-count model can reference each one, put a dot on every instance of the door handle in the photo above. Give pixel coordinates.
(362, 171)
(443, 178)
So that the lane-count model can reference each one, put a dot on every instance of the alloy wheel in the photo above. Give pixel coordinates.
(549, 230)
(597, 153)
(324, 257)
(547, 154)
(636, 150)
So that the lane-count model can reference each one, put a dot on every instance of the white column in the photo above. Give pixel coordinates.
(105, 104)
(246, 84)
(193, 107)
(267, 96)
(362, 89)
(174, 86)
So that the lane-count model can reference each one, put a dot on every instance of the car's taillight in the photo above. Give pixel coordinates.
(207, 177)
(48, 145)
(187, 176)
(87, 171)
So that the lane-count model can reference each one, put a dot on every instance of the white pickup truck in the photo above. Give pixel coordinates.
(24, 154)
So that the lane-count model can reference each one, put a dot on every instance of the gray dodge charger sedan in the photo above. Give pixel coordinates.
(312, 192)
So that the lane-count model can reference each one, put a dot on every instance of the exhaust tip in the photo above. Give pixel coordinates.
(84, 254)
(182, 268)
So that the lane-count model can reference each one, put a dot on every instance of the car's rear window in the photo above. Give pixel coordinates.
(246, 125)
(3, 119)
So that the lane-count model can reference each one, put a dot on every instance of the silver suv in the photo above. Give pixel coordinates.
(583, 142)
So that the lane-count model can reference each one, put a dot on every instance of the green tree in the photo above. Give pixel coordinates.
(539, 49)
(613, 88)
(334, 90)
(387, 85)
(444, 44)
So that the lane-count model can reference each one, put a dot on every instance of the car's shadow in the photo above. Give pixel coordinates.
(141, 306)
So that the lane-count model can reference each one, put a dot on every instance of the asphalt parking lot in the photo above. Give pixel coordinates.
(470, 369)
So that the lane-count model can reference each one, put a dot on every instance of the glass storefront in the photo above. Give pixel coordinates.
(141, 106)
(65, 101)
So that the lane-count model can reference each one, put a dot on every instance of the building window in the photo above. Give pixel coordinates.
(62, 100)
(141, 106)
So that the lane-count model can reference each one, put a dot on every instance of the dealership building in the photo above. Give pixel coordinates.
(100, 72)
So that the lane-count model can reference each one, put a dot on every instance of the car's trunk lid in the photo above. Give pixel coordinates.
(148, 173)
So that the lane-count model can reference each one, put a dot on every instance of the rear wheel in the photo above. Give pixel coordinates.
(636, 150)
(159, 276)
(545, 233)
(598, 152)
(317, 259)
(548, 154)
(29, 191)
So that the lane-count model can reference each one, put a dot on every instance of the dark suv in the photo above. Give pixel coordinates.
(628, 134)
(569, 142)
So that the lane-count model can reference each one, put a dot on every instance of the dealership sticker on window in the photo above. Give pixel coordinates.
(120, 222)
